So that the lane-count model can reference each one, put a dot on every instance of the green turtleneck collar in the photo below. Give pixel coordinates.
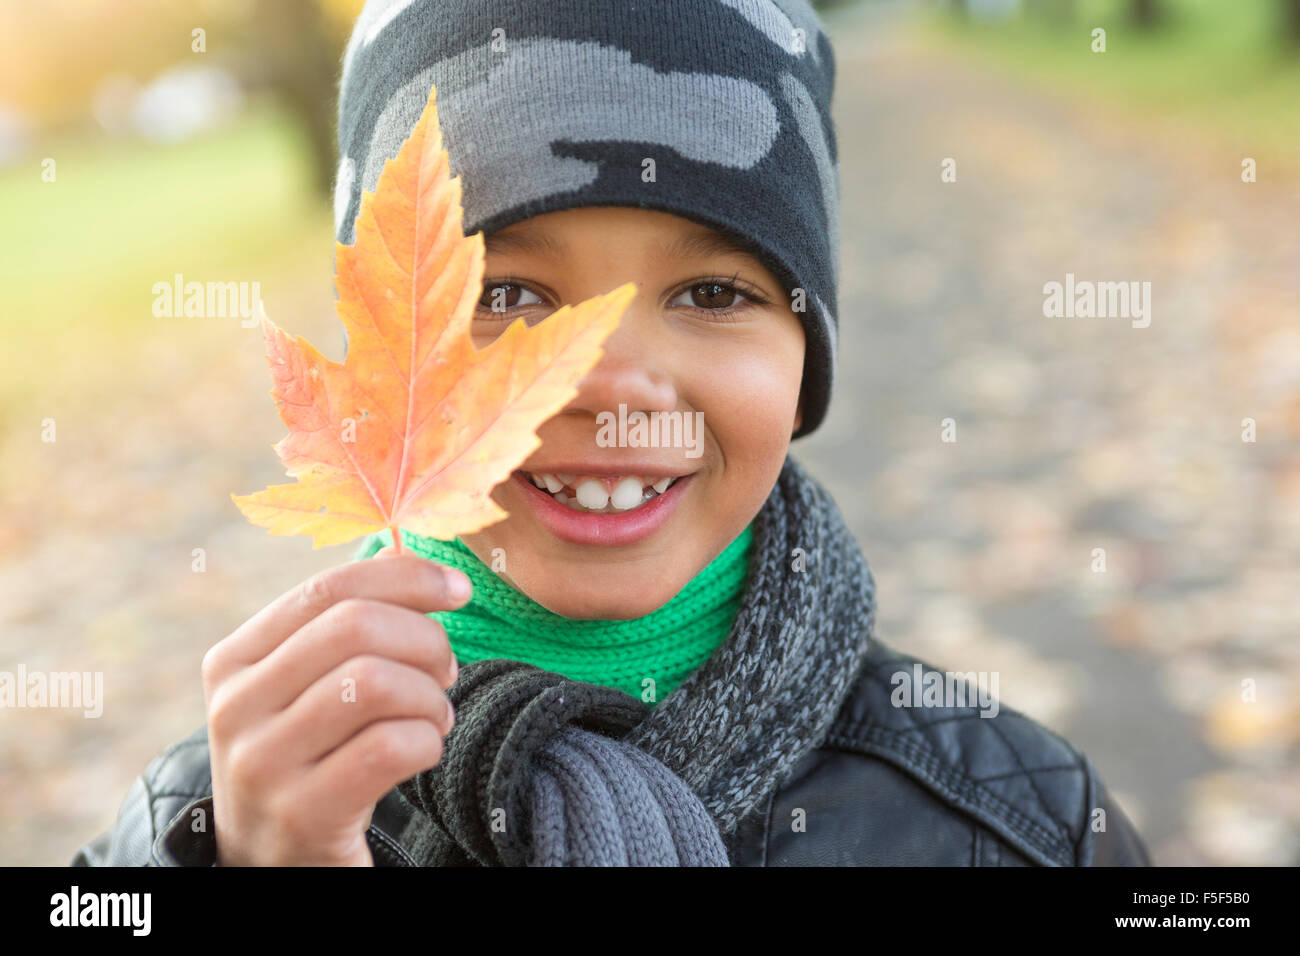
(647, 657)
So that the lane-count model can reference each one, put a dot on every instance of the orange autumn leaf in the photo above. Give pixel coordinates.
(416, 426)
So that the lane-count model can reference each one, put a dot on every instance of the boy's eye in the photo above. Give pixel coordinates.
(708, 295)
(500, 296)
(720, 299)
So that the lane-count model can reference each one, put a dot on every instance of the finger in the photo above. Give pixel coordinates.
(357, 693)
(351, 628)
(405, 580)
(358, 774)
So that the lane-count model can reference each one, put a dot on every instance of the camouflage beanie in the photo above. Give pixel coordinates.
(552, 104)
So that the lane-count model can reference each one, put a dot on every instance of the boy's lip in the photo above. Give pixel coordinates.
(603, 470)
(578, 527)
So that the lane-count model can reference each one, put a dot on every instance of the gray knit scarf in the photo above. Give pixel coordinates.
(541, 770)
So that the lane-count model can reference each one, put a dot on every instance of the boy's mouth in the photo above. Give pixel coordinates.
(601, 509)
(600, 494)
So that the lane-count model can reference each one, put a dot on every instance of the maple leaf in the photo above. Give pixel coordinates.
(416, 426)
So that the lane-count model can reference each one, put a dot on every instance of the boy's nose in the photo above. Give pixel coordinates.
(633, 370)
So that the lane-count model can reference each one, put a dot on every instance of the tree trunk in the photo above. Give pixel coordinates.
(299, 62)
(1291, 14)
(1146, 13)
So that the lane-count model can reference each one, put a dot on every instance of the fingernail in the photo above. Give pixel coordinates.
(458, 586)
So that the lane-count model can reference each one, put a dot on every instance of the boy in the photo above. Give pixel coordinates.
(663, 656)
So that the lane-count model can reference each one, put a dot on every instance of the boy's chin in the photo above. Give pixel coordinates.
(609, 598)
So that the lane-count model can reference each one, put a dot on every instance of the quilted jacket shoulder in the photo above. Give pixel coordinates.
(1026, 787)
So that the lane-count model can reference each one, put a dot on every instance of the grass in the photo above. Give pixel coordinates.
(1219, 66)
(80, 256)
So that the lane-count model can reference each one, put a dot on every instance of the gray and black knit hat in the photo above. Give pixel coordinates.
(551, 104)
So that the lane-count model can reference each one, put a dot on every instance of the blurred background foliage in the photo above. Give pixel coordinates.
(213, 152)
(1231, 68)
(117, 93)
(216, 163)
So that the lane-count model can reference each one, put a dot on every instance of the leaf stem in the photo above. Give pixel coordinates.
(397, 537)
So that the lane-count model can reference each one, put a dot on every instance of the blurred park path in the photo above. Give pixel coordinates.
(1072, 434)
(1075, 434)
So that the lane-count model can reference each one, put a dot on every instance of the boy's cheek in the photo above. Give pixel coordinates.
(752, 410)
(753, 394)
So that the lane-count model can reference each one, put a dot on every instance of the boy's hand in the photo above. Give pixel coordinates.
(321, 703)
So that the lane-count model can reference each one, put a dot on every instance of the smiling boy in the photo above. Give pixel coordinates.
(658, 658)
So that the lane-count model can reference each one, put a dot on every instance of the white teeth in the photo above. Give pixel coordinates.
(592, 495)
(628, 493)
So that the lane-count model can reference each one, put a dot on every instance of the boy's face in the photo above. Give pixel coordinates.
(720, 352)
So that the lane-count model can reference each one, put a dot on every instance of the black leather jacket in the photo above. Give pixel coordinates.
(920, 786)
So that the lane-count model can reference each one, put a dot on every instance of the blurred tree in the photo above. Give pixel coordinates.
(293, 51)
(57, 55)
(1146, 13)
(1291, 14)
